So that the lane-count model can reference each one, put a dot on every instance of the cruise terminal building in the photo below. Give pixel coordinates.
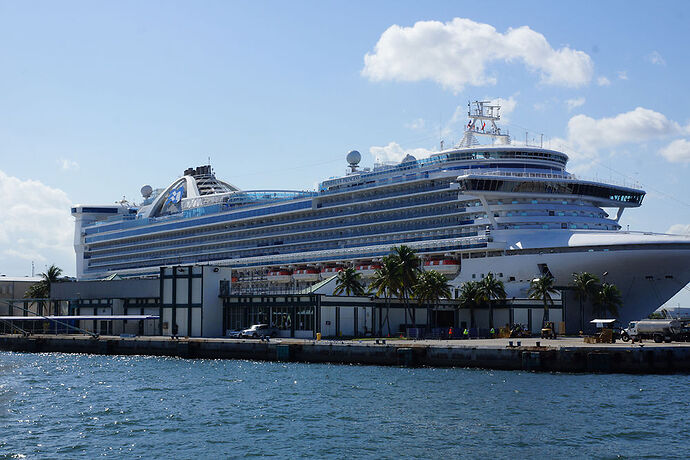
(198, 301)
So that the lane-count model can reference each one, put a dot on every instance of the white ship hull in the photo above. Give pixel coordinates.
(650, 273)
(466, 211)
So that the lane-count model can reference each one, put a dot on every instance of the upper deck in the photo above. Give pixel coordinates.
(476, 157)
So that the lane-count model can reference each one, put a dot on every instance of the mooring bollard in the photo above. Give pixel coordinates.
(538, 344)
(510, 343)
(519, 344)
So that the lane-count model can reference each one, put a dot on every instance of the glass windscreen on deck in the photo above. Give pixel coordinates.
(605, 192)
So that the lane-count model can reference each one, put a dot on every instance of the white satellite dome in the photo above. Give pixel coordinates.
(354, 157)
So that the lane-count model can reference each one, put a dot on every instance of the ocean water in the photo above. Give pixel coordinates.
(65, 406)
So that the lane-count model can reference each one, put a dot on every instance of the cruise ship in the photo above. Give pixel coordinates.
(467, 211)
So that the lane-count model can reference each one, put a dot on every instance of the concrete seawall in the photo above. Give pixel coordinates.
(554, 356)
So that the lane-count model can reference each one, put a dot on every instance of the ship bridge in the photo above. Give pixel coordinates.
(514, 183)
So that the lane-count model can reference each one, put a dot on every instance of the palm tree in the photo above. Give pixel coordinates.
(469, 293)
(407, 272)
(430, 288)
(41, 289)
(541, 289)
(608, 299)
(586, 287)
(385, 283)
(349, 281)
(489, 289)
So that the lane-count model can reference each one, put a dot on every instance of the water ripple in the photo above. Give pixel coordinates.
(63, 406)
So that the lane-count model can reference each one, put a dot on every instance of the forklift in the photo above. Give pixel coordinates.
(548, 331)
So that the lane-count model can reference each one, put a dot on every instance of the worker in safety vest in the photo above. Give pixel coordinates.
(492, 332)
(466, 334)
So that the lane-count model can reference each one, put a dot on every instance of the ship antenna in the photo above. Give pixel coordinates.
(484, 111)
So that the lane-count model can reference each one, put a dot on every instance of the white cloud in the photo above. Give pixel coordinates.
(603, 81)
(36, 226)
(655, 58)
(68, 165)
(393, 152)
(589, 134)
(622, 75)
(679, 229)
(416, 125)
(573, 103)
(456, 54)
(507, 107)
(677, 151)
(540, 106)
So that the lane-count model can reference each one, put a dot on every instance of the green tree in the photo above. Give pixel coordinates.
(386, 283)
(489, 289)
(586, 286)
(469, 293)
(41, 289)
(541, 289)
(608, 299)
(349, 282)
(408, 270)
(431, 287)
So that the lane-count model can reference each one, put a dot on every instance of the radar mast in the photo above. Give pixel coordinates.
(479, 115)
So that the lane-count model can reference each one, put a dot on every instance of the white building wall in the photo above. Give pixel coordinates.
(212, 310)
(347, 321)
(328, 321)
(206, 321)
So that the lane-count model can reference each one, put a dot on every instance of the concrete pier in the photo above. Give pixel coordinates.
(560, 355)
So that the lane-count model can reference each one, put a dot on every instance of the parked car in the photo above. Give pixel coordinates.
(258, 330)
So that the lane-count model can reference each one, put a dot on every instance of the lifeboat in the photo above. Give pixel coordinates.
(367, 271)
(327, 272)
(444, 266)
(279, 276)
(234, 279)
(306, 274)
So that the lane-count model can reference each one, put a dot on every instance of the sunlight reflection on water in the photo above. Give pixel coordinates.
(59, 405)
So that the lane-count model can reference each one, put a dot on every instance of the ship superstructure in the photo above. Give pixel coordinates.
(469, 210)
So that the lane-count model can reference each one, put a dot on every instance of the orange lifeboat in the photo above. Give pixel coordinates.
(327, 272)
(306, 274)
(444, 266)
(279, 276)
(368, 271)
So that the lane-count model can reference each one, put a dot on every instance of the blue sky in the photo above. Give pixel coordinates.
(100, 98)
